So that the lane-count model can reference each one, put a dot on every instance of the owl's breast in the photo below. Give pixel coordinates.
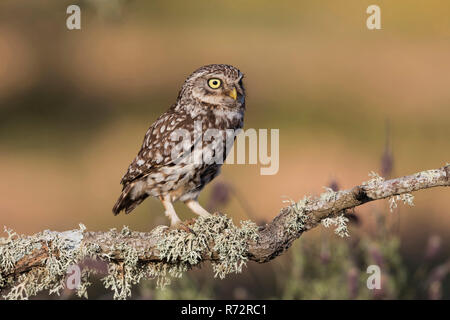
(182, 181)
(222, 118)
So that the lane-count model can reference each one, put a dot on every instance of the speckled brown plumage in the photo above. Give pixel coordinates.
(199, 107)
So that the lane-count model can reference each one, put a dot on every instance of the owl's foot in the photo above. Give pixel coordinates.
(182, 226)
(197, 208)
(175, 222)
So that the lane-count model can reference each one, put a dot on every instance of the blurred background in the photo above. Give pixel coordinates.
(75, 105)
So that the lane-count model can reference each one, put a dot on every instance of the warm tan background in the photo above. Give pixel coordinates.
(74, 105)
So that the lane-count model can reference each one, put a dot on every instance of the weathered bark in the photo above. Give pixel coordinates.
(273, 238)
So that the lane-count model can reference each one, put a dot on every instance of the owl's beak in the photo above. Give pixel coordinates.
(233, 93)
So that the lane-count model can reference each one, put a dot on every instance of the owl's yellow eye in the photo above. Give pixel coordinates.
(214, 83)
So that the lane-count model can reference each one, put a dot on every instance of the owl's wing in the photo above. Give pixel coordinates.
(156, 150)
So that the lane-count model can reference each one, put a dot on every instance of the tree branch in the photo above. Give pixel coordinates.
(29, 264)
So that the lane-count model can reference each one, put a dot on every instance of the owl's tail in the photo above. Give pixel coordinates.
(129, 199)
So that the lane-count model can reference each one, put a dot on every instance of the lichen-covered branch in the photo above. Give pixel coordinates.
(30, 264)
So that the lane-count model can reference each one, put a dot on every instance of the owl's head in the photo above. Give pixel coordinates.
(216, 85)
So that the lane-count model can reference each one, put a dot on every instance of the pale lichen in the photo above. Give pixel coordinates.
(297, 221)
(86, 273)
(375, 190)
(214, 238)
(180, 250)
(328, 195)
(375, 182)
(229, 242)
(63, 251)
(232, 245)
(124, 274)
(177, 249)
(407, 198)
(340, 223)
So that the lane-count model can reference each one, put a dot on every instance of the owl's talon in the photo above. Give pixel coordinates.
(182, 226)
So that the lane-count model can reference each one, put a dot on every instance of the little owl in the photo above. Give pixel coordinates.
(212, 99)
